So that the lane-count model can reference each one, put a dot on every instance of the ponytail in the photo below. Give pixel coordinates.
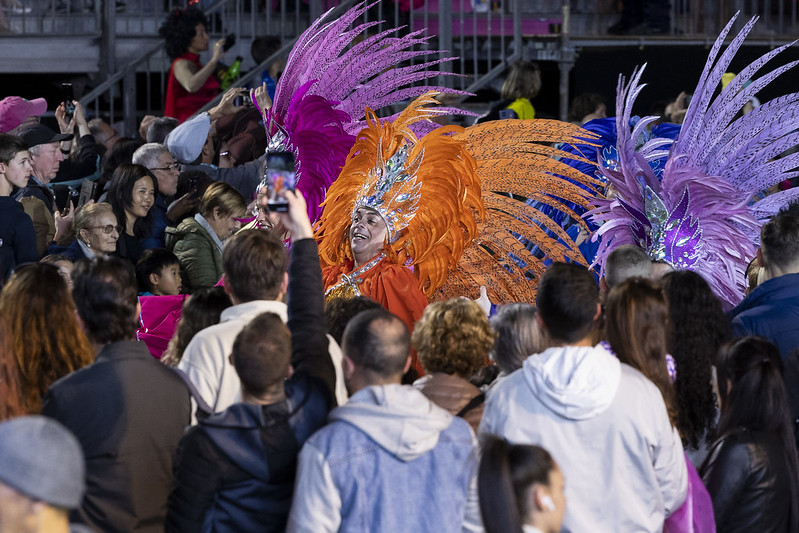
(506, 474)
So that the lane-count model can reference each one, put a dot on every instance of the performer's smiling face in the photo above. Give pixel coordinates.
(367, 234)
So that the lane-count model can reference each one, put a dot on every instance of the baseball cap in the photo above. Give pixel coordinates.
(41, 134)
(15, 109)
(41, 459)
(186, 142)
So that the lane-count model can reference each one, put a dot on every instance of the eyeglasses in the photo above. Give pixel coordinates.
(170, 167)
(107, 229)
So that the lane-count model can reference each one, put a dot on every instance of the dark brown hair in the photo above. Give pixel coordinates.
(104, 290)
(262, 353)
(254, 262)
(636, 322)
(506, 474)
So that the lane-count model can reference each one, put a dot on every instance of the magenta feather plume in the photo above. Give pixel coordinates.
(328, 82)
(316, 132)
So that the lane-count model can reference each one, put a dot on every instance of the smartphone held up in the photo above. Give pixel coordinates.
(67, 96)
(280, 177)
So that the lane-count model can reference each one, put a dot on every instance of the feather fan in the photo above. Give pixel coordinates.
(696, 216)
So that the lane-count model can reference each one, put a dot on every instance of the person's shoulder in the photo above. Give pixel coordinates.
(188, 225)
(506, 385)
(82, 377)
(632, 377)
(735, 448)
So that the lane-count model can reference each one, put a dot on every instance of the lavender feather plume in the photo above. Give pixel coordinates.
(697, 216)
(328, 82)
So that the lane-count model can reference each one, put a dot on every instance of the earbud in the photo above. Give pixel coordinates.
(547, 503)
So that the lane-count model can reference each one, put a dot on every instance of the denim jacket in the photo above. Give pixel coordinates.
(390, 460)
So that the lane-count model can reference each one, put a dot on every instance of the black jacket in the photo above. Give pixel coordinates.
(35, 190)
(235, 470)
(17, 237)
(129, 412)
(84, 162)
(748, 480)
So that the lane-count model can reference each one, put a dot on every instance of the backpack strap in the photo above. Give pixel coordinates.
(474, 402)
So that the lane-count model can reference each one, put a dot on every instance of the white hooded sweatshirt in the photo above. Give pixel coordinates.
(607, 427)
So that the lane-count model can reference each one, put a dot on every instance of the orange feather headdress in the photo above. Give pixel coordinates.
(453, 201)
(425, 189)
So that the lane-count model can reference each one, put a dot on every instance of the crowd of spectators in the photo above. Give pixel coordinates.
(629, 402)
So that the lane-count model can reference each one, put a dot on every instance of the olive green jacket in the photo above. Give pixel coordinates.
(200, 258)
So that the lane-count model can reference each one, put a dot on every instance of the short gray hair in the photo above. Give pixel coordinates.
(35, 150)
(147, 155)
(625, 262)
(518, 335)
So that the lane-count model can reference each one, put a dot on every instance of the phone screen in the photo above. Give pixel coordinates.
(87, 191)
(280, 176)
(68, 96)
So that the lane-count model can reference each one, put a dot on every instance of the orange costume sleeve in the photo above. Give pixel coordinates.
(392, 286)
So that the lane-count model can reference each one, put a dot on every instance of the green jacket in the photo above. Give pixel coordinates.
(200, 259)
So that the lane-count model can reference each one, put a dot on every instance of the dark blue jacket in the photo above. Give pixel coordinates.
(160, 221)
(17, 237)
(73, 251)
(235, 470)
(771, 311)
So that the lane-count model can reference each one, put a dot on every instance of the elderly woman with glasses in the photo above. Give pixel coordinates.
(96, 233)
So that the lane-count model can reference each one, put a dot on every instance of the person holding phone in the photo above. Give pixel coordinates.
(80, 159)
(191, 84)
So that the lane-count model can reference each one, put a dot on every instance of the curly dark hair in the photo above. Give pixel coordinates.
(697, 328)
(180, 28)
(453, 337)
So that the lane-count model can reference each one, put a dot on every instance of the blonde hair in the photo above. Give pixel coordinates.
(523, 81)
(223, 196)
(88, 214)
(453, 337)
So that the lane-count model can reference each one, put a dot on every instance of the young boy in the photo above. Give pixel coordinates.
(17, 237)
(158, 273)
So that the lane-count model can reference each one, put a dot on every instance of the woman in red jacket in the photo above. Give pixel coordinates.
(191, 85)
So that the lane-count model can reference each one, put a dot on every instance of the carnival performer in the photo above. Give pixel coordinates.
(334, 72)
(695, 212)
(412, 219)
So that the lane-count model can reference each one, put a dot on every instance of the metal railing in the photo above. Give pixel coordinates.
(489, 18)
(486, 36)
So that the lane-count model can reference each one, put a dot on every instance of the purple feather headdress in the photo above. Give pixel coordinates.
(326, 86)
(696, 216)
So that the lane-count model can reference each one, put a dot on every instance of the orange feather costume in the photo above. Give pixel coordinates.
(451, 204)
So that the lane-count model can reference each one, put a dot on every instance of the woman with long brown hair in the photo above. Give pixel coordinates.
(636, 322)
(637, 327)
(42, 330)
(10, 398)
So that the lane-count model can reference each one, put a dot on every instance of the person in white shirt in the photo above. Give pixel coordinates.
(604, 422)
